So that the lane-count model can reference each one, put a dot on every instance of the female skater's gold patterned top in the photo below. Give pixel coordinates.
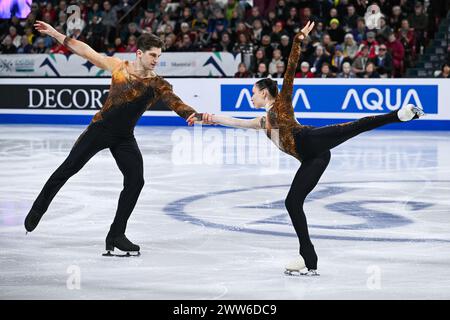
(280, 123)
(130, 96)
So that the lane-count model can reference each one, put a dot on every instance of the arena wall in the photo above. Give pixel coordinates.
(316, 101)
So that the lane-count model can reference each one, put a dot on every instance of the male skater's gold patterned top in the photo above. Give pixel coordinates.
(130, 96)
(280, 123)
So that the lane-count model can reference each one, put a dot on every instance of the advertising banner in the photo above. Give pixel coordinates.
(315, 102)
(187, 64)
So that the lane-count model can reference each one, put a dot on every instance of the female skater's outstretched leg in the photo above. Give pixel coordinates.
(318, 140)
(305, 180)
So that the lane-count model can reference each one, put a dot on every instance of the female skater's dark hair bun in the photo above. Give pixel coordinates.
(269, 84)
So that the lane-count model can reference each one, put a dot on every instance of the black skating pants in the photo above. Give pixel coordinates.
(128, 157)
(314, 145)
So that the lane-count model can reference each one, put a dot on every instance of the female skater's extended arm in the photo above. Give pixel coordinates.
(78, 47)
(255, 123)
(288, 82)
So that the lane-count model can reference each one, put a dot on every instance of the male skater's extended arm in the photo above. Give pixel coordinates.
(164, 91)
(78, 47)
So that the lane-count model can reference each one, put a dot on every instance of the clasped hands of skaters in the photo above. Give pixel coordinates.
(206, 118)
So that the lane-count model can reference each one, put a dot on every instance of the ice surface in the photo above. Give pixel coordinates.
(379, 220)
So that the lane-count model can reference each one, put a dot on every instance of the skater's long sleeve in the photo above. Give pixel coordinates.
(288, 81)
(280, 120)
(165, 92)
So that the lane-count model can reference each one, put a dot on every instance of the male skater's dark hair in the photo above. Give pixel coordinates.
(269, 84)
(147, 41)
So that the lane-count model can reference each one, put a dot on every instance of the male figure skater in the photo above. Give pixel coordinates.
(135, 87)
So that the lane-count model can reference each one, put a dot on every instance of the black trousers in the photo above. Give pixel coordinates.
(128, 158)
(314, 145)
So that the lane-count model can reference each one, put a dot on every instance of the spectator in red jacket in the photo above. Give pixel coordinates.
(372, 44)
(149, 20)
(407, 32)
(119, 46)
(407, 37)
(277, 32)
(304, 71)
(398, 54)
(48, 9)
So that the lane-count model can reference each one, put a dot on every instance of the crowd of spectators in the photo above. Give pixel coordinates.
(341, 45)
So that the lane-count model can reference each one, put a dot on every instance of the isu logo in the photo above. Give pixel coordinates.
(6, 65)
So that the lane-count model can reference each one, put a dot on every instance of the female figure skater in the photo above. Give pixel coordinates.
(310, 145)
(135, 87)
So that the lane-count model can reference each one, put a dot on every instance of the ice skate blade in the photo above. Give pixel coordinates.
(297, 273)
(418, 111)
(124, 255)
(291, 272)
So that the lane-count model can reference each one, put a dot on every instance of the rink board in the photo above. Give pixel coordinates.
(315, 101)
